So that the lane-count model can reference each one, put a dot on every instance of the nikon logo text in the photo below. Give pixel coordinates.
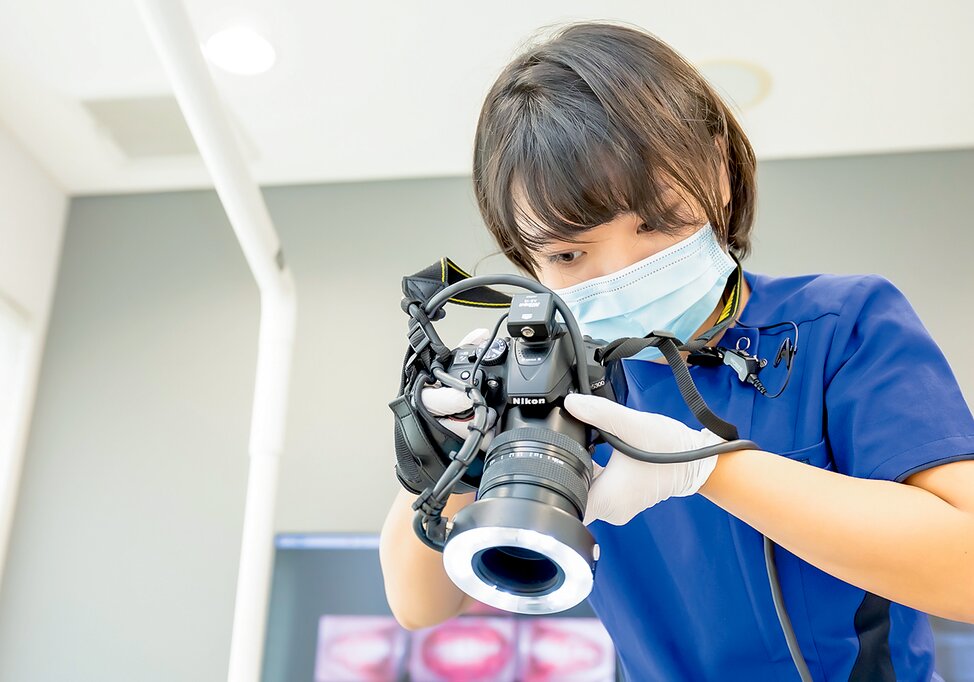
(528, 401)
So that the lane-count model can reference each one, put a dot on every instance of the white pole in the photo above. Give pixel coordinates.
(172, 33)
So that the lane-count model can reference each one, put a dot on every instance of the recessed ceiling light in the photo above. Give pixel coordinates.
(240, 50)
(745, 83)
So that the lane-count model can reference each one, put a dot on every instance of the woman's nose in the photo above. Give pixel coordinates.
(614, 260)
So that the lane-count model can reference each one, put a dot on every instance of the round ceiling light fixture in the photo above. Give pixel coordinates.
(240, 50)
(744, 83)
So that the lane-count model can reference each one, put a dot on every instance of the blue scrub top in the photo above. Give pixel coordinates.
(682, 588)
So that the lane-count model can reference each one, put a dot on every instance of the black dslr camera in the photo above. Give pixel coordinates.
(524, 378)
(536, 472)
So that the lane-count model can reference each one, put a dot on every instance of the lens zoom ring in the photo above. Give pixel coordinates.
(524, 463)
(541, 435)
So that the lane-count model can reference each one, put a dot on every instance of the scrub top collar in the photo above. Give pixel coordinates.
(746, 337)
(754, 319)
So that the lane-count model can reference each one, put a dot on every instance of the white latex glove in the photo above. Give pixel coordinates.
(443, 401)
(626, 486)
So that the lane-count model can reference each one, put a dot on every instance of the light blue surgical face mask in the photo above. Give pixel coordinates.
(674, 290)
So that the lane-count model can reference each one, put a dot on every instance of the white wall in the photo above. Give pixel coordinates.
(32, 215)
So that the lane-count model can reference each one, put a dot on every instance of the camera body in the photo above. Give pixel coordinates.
(526, 376)
(526, 381)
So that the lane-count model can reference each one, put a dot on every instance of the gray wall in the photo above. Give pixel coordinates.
(125, 545)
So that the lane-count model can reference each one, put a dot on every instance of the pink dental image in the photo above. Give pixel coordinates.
(465, 650)
(359, 649)
(565, 650)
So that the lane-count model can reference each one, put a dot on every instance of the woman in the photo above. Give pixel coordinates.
(609, 170)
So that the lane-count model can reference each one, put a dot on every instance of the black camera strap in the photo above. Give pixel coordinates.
(428, 282)
(668, 346)
(422, 443)
(426, 348)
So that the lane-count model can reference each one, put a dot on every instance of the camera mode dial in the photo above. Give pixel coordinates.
(496, 353)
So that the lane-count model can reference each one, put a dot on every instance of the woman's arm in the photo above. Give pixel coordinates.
(419, 591)
(912, 543)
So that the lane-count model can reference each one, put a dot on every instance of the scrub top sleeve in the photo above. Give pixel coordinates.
(893, 405)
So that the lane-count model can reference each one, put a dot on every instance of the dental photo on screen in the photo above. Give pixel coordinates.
(329, 621)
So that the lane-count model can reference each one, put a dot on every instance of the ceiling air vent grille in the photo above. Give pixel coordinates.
(143, 127)
(151, 127)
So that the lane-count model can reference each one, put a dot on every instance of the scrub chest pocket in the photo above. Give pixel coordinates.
(817, 455)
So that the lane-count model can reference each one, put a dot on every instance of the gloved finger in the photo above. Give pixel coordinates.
(608, 499)
(603, 414)
(475, 337)
(457, 427)
(632, 426)
(595, 504)
(590, 506)
(442, 401)
(460, 426)
(589, 515)
(604, 502)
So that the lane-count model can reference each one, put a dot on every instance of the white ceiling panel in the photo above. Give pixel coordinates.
(392, 89)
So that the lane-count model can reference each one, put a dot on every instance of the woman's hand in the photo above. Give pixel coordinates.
(625, 486)
(454, 408)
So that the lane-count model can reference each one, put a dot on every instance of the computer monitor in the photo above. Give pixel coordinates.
(329, 621)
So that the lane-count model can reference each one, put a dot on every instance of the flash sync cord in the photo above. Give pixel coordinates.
(471, 444)
(779, 608)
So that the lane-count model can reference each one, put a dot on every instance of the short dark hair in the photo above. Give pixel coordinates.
(589, 124)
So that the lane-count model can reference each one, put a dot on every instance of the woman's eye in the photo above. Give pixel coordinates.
(643, 227)
(565, 258)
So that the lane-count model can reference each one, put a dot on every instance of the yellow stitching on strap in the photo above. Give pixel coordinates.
(733, 300)
(455, 267)
(479, 304)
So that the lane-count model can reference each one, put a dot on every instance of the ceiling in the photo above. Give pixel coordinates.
(377, 90)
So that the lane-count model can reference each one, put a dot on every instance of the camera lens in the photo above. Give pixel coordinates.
(539, 464)
(521, 546)
(531, 572)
